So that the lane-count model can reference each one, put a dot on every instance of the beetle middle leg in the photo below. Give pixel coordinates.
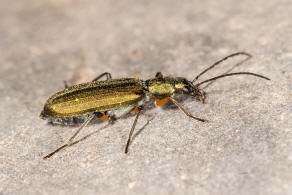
(138, 111)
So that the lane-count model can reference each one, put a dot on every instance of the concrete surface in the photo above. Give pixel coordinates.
(246, 148)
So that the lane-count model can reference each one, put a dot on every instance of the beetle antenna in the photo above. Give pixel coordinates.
(232, 74)
(218, 62)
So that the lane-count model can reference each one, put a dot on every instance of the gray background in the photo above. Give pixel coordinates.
(246, 148)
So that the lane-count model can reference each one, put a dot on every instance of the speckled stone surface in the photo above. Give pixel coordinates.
(246, 148)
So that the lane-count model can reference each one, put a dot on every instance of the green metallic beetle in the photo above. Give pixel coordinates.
(113, 98)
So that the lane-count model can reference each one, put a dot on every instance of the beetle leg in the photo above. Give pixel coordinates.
(184, 111)
(102, 116)
(161, 102)
(159, 75)
(70, 141)
(66, 84)
(132, 129)
(135, 110)
(108, 76)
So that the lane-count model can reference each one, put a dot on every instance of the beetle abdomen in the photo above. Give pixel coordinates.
(67, 121)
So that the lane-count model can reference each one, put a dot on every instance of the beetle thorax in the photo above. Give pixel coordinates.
(164, 87)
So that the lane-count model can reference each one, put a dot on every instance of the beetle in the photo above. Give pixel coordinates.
(111, 99)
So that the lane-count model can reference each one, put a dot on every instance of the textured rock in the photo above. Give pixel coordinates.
(246, 148)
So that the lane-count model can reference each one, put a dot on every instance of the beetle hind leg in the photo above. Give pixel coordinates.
(102, 116)
(108, 76)
(70, 141)
(159, 75)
